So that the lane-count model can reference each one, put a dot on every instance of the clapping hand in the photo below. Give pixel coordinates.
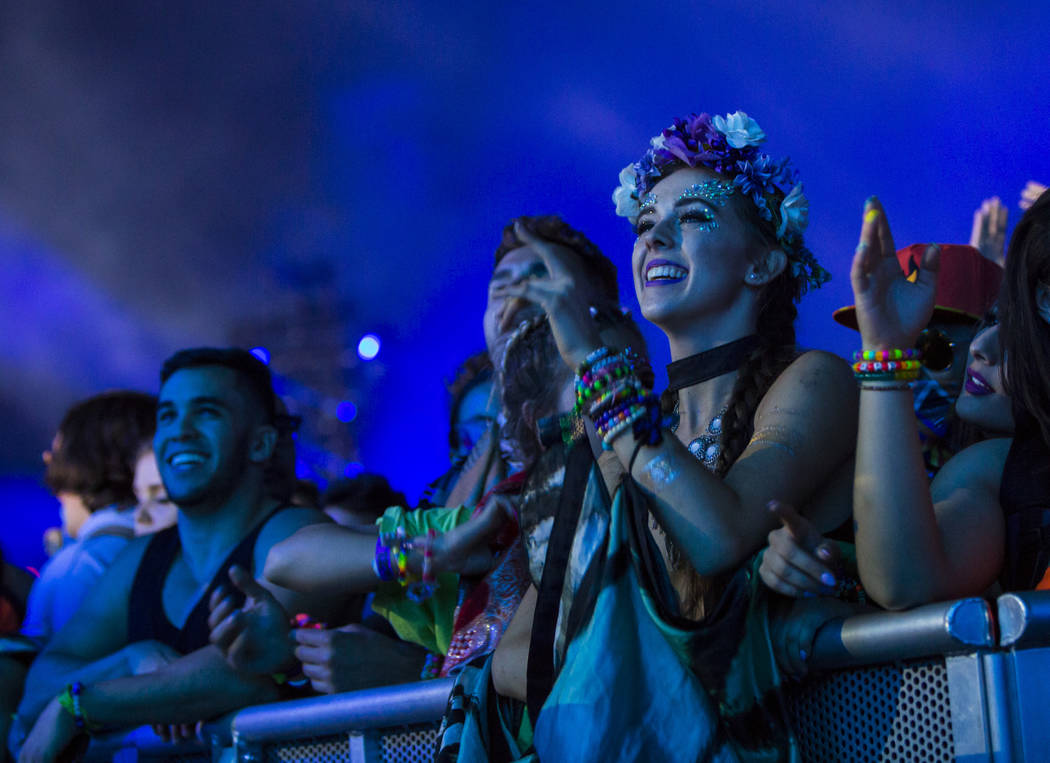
(253, 637)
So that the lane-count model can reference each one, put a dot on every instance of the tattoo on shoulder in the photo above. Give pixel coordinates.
(775, 436)
(661, 471)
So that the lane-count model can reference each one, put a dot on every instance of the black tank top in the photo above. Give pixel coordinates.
(1024, 495)
(146, 617)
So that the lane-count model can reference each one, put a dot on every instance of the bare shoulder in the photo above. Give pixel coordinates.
(979, 466)
(284, 523)
(815, 379)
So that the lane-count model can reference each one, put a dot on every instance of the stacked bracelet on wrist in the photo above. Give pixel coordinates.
(611, 391)
(901, 366)
(391, 563)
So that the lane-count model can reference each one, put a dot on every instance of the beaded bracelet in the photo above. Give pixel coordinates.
(909, 354)
(381, 562)
(863, 367)
(69, 699)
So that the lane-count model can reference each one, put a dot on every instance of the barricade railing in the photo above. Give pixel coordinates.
(393, 723)
(898, 686)
(936, 683)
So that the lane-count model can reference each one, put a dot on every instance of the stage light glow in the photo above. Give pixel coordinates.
(261, 353)
(368, 347)
(353, 469)
(346, 412)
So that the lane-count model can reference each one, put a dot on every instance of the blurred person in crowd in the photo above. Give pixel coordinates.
(357, 502)
(516, 263)
(153, 509)
(90, 468)
(967, 287)
(473, 405)
(137, 651)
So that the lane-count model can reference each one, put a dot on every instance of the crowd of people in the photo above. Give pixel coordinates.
(609, 571)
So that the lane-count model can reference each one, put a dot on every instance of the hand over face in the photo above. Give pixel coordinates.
(354, 657)
(254, 636)
(563, 299)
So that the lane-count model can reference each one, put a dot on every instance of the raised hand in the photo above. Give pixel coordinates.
(799, 561)
(989, 230)
(891, 310)
(560, 297)
(1030, 193)
(253, 637)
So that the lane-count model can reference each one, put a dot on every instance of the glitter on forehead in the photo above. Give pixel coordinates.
(716, 192)
(649, 200)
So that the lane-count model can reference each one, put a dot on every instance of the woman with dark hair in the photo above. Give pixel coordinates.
(719, 263)
(984, 517)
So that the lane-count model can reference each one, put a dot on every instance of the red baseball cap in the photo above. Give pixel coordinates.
(967, 284)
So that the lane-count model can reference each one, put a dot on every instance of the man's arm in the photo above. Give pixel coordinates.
(86, 648)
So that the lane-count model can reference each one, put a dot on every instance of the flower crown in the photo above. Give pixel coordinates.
(729, 146)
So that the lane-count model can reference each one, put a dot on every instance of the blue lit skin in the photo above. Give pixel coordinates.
(368, 347)
(709, 242)
(207, 437)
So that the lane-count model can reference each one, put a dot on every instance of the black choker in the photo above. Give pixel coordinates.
(710, 363)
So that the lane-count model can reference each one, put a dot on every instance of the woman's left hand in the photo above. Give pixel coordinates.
(559, 295)
(793, 628)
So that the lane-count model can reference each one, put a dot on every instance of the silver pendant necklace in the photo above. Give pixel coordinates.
(708, 445)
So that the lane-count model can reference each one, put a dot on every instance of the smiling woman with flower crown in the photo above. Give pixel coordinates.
(719, 263)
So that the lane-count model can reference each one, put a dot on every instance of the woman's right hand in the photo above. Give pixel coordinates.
(891, 310)
(799, 561)
(465, 549)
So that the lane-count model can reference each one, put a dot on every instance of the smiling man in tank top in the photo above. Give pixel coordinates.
(137, 652)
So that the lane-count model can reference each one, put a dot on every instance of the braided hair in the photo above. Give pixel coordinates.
(776, 351)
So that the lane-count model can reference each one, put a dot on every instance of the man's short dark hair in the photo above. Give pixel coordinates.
(99, 441)
(366, 494)
(554, 229)
(253, 375)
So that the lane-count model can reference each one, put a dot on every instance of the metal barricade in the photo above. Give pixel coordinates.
(1022, 671)
(898, 686)
(394, 724)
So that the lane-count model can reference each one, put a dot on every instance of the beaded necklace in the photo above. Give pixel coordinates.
(708, 445)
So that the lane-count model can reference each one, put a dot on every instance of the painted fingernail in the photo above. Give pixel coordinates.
(827, 579)
(871, 215)
(824, 553)
(870, 200)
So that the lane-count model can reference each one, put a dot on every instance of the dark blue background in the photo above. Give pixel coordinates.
(173, 174)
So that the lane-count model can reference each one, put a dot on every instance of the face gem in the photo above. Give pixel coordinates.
(716, 192)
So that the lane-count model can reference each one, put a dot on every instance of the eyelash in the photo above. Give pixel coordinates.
(704, 219)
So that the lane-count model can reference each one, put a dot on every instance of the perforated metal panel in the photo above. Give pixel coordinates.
(898, 712)
(410, 744)
(310, 750)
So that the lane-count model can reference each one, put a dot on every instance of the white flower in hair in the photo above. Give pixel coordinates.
(794, 212)
(625, 197)
(658, 142)
(740, 129)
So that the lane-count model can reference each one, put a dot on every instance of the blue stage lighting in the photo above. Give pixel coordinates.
(346, 412)
(368, 347)
(261, 353)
